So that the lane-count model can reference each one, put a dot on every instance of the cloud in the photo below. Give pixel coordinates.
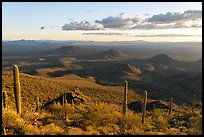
(105, 33)
(43, 27)
(176, 16)
(121, 14)
(118, 22)
(83, 25)
(166, 35)
(146, 26)
(139, 35)
(53, 26)
(186, 19)
(146, 14)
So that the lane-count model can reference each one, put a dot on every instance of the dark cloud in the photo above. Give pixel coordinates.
(188, 15)
(83, 25)
(118, 22)
(105, 33)
(121, 14)
(43, 27)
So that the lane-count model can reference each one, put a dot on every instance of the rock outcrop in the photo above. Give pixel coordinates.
(137, 105)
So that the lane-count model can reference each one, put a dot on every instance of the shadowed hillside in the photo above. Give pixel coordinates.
(73, 51)
(161, 58)
(111, 54)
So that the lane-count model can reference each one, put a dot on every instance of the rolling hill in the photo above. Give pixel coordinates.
(111, 54)
(161, 59)
(72, 51)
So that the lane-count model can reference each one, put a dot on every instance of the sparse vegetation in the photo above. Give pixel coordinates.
(100, 113)
(101, 119)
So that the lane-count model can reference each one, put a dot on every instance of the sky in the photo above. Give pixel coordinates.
(103, 21)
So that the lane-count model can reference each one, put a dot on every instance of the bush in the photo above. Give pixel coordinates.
(50, 129)
(12, 120)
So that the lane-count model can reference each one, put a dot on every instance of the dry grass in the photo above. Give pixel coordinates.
(44, 88)
(101, 115)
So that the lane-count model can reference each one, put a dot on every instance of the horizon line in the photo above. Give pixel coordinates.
(102, 41)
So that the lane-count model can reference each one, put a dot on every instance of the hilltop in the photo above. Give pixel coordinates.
(100, 113)
(111, 54)
(161, 58)
(33, 86)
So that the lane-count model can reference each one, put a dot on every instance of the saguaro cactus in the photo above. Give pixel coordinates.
(125, 97)
(17, 89)
(144, 106)
(63, 100)
(5, 99)
(4, 131)
(72, 103)
(194, 102)
(170, 106)
(37, 104)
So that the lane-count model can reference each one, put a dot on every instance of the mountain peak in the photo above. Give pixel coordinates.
(109, 54)
(161, 58)
(126, 68)
(113, 53)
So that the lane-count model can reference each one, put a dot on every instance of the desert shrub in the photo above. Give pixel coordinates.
(196, 124)
(134, 131)
(99, 115)
(29, 117)
(172, 131)
(50, 129)
(60, 111)
(109, 129)
(91, 131)
(75, 131)
(153, 133)
(32, 130)
(130, 121)
(156, 112)
(12, 120)
(107, 119)
(162, 123)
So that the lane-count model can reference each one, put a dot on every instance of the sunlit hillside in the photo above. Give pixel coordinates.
(100, 113)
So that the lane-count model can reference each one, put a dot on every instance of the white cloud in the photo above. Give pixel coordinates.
(118, 22)
(105, 33)
(176, 16)
(186, 19)
(83, 25)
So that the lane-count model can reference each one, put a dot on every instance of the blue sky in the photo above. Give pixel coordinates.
(23, 20)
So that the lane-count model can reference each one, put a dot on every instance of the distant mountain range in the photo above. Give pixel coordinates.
(146, 65)
(73, 51)
(88, 53)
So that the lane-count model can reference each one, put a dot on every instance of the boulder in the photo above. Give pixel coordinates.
(137, 105)
(73, 96)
